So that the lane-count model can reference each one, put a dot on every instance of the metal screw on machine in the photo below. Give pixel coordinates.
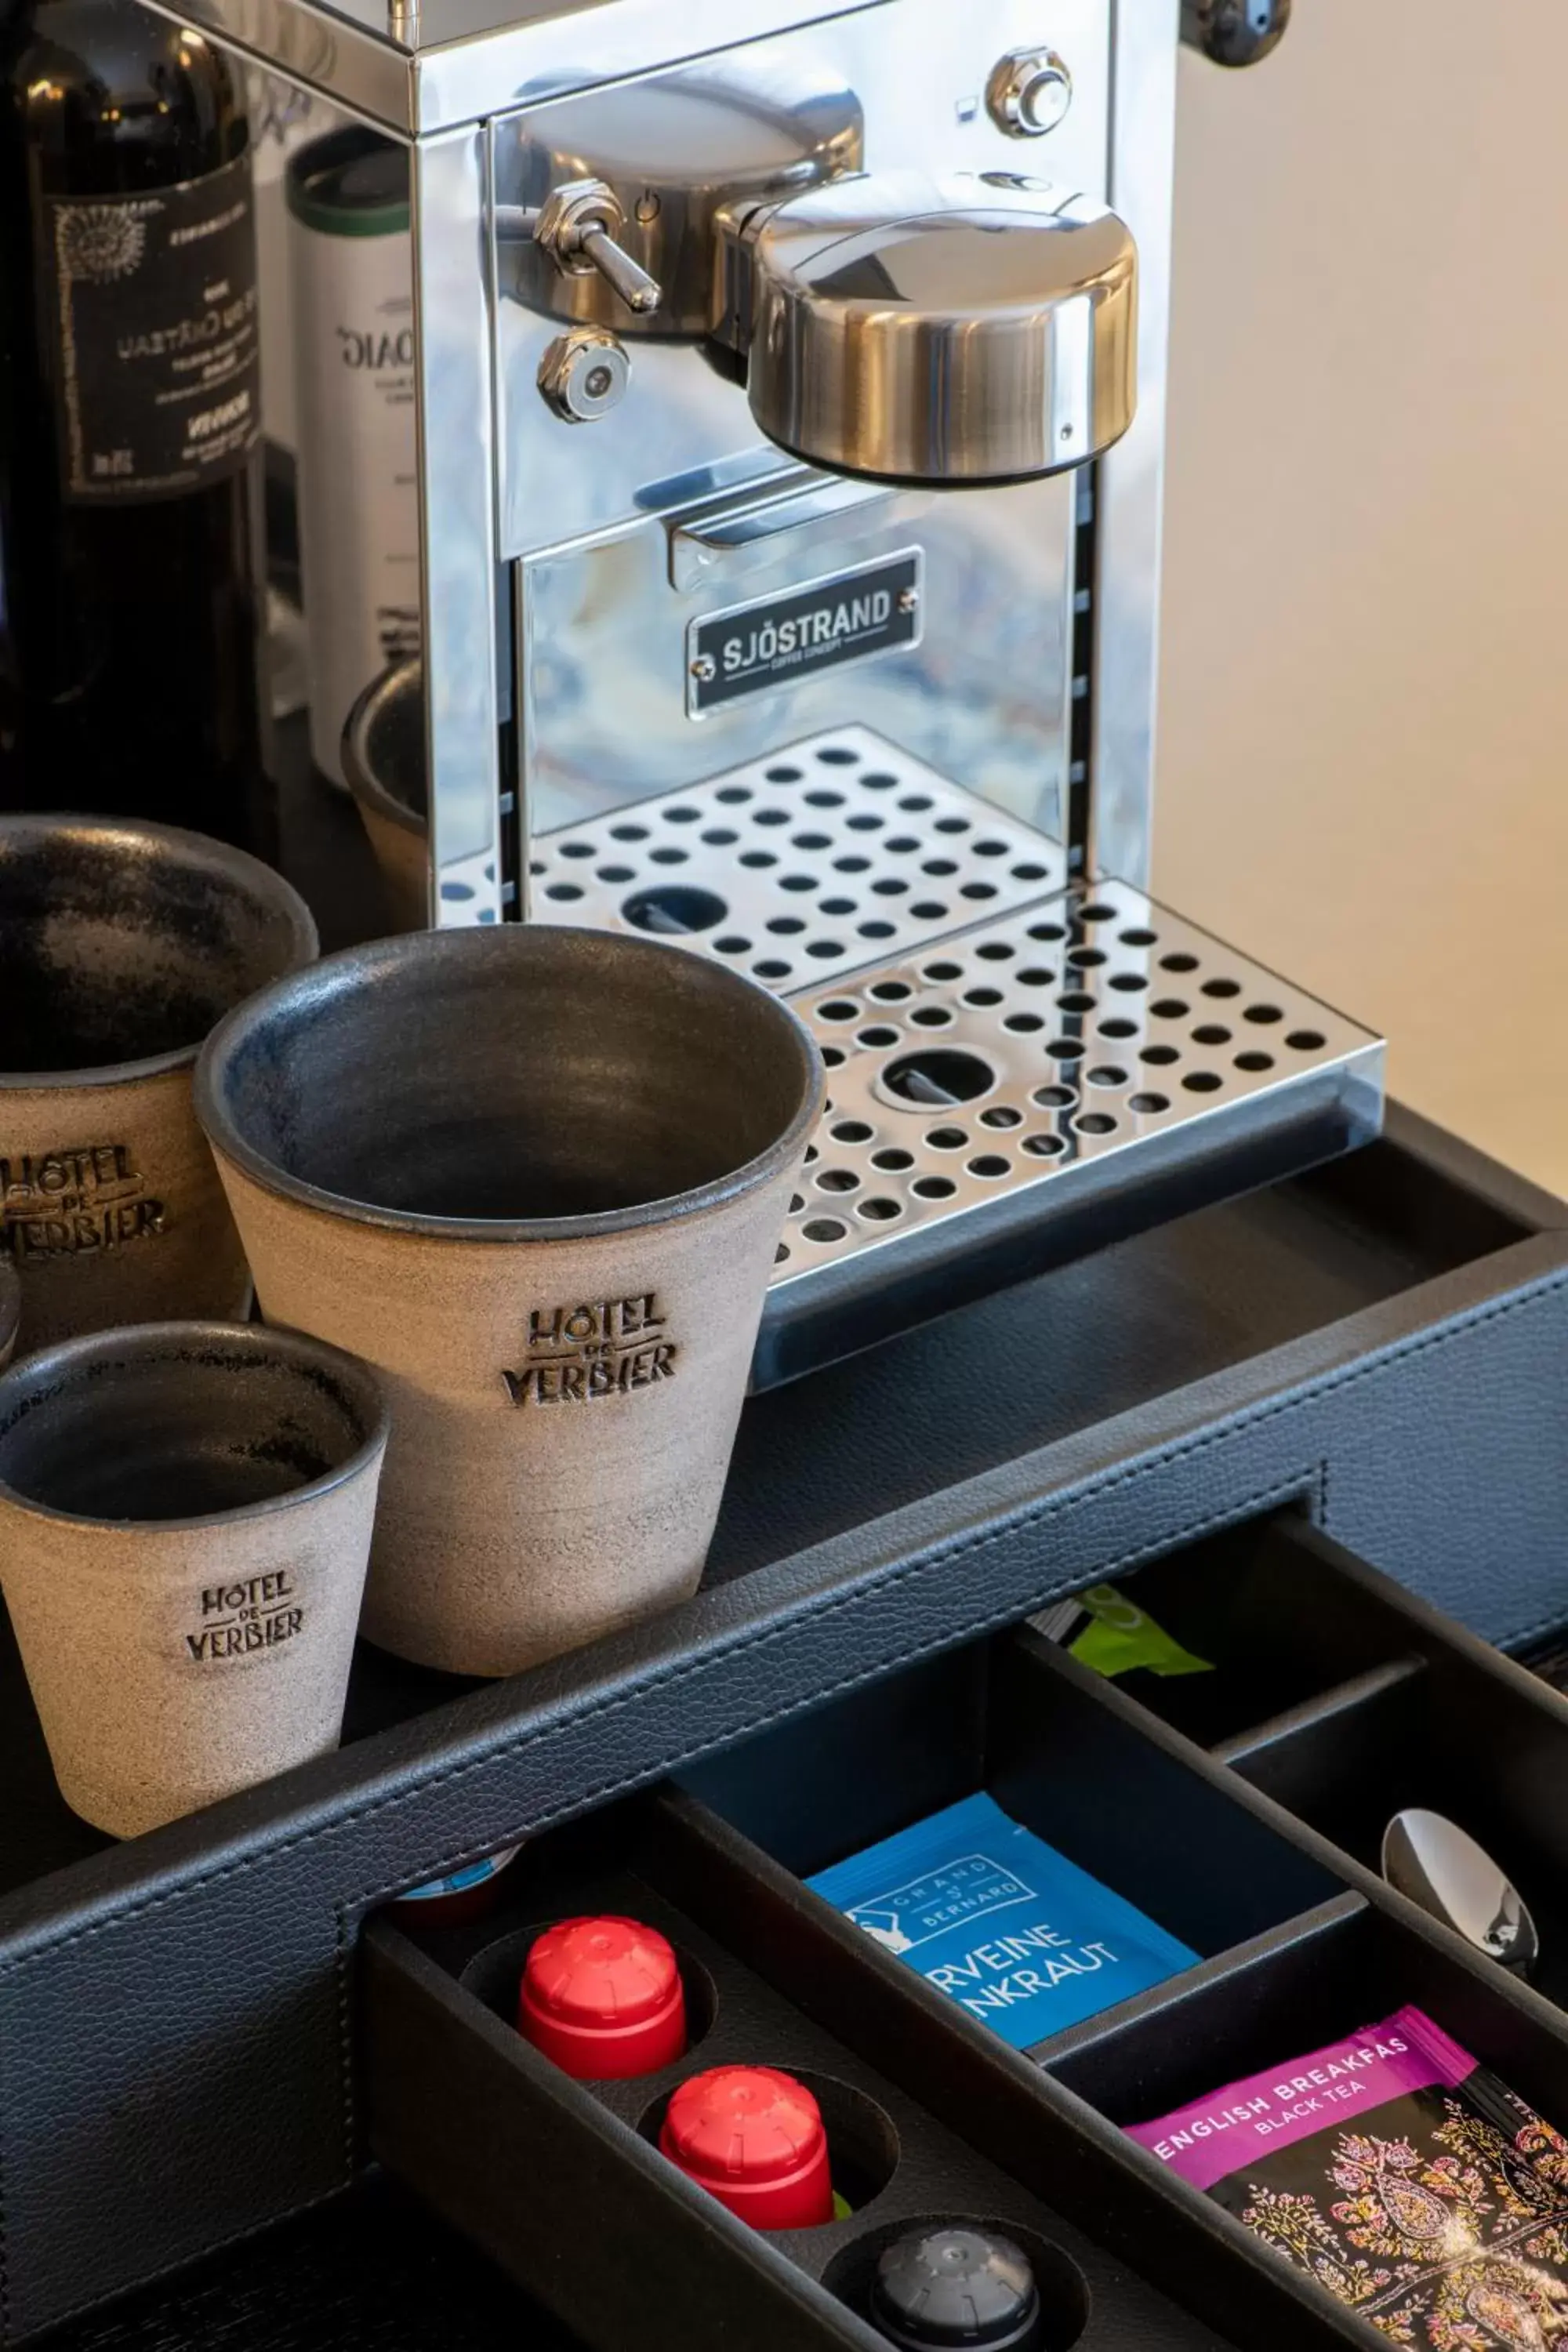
(584, 375)
(1029, 92)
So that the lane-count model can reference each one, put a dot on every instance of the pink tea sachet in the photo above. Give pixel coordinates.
(1401, 2175)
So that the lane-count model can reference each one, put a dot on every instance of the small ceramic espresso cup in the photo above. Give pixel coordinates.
(186, 1512)
(383, 762)
(120, 944)
(10, 1308)
(538, 1178)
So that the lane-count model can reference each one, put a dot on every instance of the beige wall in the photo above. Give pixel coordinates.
(1363, 763)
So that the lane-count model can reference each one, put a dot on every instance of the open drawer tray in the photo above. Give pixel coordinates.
(931, 2113)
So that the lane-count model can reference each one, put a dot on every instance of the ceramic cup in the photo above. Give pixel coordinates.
(10, 1308)
(184, 1520)
(538, 1177)
(120, 944)
(383, 762)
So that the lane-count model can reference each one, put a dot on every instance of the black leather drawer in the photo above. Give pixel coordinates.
(1382, 1346)
(1241, 1810)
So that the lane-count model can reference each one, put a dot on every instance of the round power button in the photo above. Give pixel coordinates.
(1029, 92)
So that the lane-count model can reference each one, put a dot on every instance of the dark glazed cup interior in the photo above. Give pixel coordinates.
(384, 747)
(122, 944)
(170, 1422)
(520, 1083)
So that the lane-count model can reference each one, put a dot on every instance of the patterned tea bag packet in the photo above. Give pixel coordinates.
(1402, 2176)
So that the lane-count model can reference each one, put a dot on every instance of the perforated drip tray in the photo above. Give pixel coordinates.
(800, 867)
(1034, 1087)
(1025, 1073)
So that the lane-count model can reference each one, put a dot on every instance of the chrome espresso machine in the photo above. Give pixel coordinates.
(790, 380)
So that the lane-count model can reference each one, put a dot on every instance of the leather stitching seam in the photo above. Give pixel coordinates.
(346, 2045)
(1282, 1490)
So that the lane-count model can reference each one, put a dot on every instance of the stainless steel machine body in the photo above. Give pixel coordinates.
(569, 565)
(792, 416)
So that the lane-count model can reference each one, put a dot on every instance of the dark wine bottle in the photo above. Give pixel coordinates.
(132, 560)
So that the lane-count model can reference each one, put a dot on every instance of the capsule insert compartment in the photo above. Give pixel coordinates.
(560, 2180)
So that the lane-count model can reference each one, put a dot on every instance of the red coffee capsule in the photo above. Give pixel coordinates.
(602, 1998)
(753, 2138)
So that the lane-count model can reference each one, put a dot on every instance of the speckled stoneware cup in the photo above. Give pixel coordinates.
(383, 762)
(184, 1521)
(121, 945)
(538, 1177)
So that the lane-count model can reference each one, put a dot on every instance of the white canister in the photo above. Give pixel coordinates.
(351, 271)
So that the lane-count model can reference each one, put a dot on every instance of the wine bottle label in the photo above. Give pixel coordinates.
(159, 381)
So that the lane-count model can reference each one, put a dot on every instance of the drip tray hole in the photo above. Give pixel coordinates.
(675, 910)
(935, 1078)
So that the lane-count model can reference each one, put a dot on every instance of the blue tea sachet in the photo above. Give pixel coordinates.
(1000, 1922)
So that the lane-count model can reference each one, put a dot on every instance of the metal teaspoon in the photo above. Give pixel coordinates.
(1439, 1866)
